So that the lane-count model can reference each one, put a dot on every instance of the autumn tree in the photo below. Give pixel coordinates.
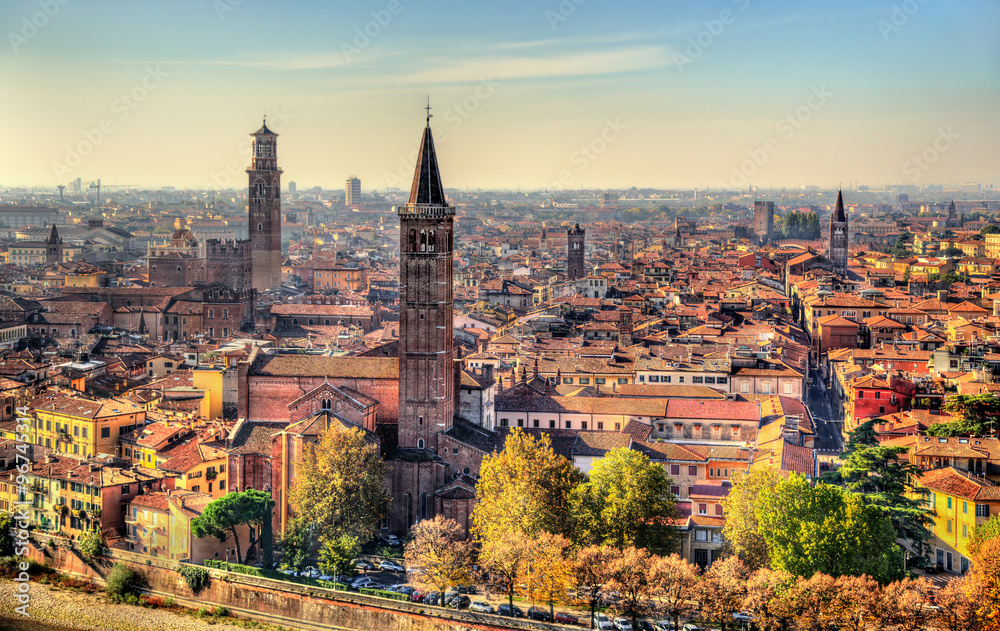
(629, 575)
(767, 599)
(247, 508)
(549, 571)
(825, 529)
(340, 486)
(625, 502)
(722, 590)
(336, 556)
(855, 603)
(523, 488)
(505, 559)
(675, 583)
(984, 584)
(441, 554)
(811, 602)
(902, 604)
(957, 606)
(741, 530)
(591, 575)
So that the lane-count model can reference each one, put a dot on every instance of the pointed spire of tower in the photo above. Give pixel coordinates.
(54, 234)
(838, 214)
(427, 187)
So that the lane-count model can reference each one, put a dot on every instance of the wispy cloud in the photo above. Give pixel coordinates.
(520, 67)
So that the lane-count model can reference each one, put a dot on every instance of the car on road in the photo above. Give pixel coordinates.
(564, 618)
(539, 613)
(504, 609)
(461, 601)
(482, 607)
(623, 624)
(604, 622)
(389, 566)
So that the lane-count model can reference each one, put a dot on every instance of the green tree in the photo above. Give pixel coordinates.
(340, 486)
(626, 501)
(92, 544)
(222, 516)
(989, 529)
(885, 480)
(439, 553)
(336, 556)
(6, 534)
(990, 228)
(296, 545)
(123, 583)
(524, 488)
(826, 529)
(741, 530)
(977, 415)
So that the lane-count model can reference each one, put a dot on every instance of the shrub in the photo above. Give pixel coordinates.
(221, 612)
(168, 601)
(384, 594)
(92, 544)
(196, 577)
(234, 567)
(123, 582)
(202, 612)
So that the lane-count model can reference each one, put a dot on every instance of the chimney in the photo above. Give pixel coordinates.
(942, 295)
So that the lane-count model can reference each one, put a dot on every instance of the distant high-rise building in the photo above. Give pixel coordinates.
(291, 187)
(264, 205)
(575, 241)
(763, 220)
(352, 191)
(903, 198)
(77, 186)
(609, 199)
(839, 236)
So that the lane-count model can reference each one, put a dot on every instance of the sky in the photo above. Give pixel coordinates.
(542, 94)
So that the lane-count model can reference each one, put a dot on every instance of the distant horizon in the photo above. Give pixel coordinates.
(525, 95)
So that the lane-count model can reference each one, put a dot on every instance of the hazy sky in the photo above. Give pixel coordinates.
(570, 93)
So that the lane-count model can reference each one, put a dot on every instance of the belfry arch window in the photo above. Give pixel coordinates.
(423, 240)
(413, 240)
(431, 241)
(260, 227)
(261, 189)
(326, 404)
(420, 443)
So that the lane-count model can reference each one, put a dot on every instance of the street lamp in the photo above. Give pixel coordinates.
(227, 558)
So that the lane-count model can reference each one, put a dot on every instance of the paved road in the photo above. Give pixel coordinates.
(828, 429)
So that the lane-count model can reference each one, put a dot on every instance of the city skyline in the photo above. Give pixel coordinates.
(525, 96)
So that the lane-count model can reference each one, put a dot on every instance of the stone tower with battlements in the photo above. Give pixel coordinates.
(264, 206)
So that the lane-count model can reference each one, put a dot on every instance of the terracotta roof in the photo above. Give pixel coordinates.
(702, 409)
(285, 365)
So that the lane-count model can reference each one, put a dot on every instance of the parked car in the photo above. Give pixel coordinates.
(690, 627)
(461, 601)
(362, 582)
(389, 566)
(418, 596)
(363, 566)
(539, 613)
(392, 540)
(934, 568)
(564, 618)
(742, 616)
(467, 589)
(505, 609)
(644, 625)
(604, 622)
(623, 624)
(663, 625)
(481, 607)
(433, 598)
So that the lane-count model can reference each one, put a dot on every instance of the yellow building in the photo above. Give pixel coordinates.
(209, 380)
(958, 502)
(81, 426)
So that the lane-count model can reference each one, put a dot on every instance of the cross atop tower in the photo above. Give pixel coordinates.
(428, 108)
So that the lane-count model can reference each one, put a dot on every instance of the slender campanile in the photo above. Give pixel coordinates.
(839, 236)
(264, 205)
(426, 346)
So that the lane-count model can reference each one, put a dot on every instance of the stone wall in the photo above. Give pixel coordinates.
(289, 601)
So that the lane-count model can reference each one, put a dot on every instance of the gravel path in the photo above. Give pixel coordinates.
(91, 612)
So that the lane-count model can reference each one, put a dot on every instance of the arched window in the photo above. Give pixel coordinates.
(211, 313)
(326, 404)
(413, 240)
(225, 313)
(423, 240)
(295, 321)
(225, 331)
(178, 268)
(260, 227)
(431, 241)
(310, 321)
(420, 441)
(327, 321)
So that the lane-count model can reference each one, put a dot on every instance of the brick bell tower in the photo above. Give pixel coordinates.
(426, 345)
(264, 205)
